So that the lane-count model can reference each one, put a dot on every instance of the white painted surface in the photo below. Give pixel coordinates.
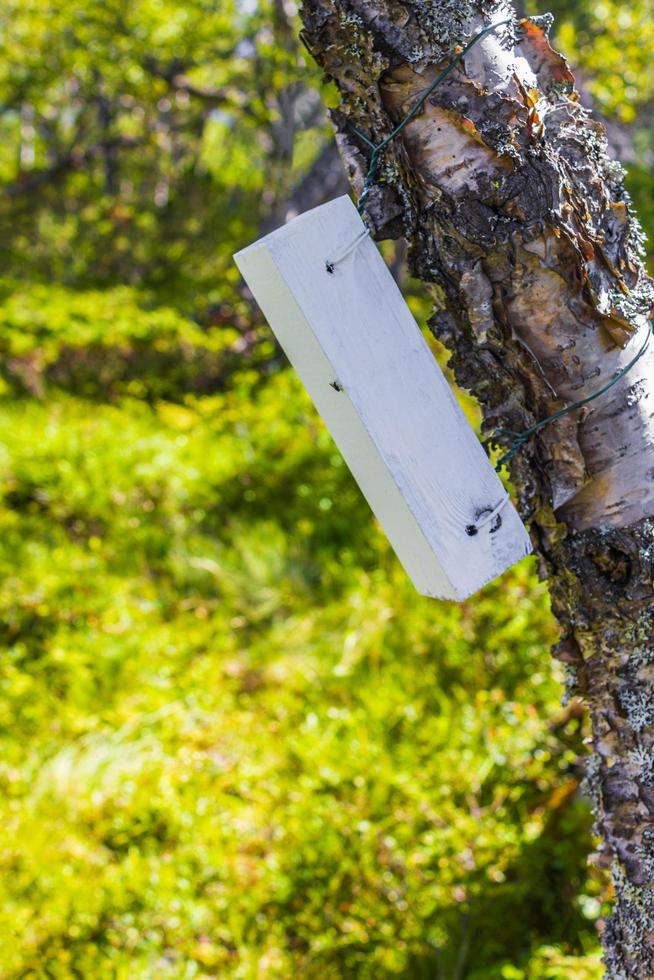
(396, 421)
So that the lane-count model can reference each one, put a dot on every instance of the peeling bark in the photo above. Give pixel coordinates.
(519, 224)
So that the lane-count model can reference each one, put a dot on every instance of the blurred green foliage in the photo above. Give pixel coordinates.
(611, 43)
(234, 742)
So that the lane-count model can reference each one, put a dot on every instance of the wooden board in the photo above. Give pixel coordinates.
(359, 352)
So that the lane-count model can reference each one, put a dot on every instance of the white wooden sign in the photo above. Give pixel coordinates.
(346, 329)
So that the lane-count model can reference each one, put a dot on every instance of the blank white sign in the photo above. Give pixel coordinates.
(359, 352)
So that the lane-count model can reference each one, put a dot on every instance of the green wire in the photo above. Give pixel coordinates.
(520, 438)
(378, 147)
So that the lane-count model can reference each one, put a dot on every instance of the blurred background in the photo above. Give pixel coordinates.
(234, 741)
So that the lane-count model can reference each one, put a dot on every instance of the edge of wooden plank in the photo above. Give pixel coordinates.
(515, 543)
(347, 429)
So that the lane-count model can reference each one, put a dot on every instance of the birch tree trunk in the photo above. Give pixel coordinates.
(519, 224)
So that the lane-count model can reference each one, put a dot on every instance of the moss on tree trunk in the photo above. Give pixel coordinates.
(519, 224)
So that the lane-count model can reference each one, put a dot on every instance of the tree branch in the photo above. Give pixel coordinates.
(518, 223)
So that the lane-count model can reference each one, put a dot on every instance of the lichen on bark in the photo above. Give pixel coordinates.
(518, 223)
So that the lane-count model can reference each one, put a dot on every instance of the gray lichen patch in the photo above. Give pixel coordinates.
(638, 635)
(636, 305)
(641, 656)
(642, 759)
(350, 19)
(638, 706)
(591, 784)
(636, 392)
(646, 852)
(570, 683)
(628, 952)
(445, 23)
(544, 21)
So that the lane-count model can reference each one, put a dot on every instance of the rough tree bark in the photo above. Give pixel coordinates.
(519, 224)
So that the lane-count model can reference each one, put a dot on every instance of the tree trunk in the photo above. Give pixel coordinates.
(519, 224)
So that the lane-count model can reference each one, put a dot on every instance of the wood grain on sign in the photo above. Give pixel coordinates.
(359, 352)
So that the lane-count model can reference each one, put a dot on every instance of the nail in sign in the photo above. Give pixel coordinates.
(350, 336)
